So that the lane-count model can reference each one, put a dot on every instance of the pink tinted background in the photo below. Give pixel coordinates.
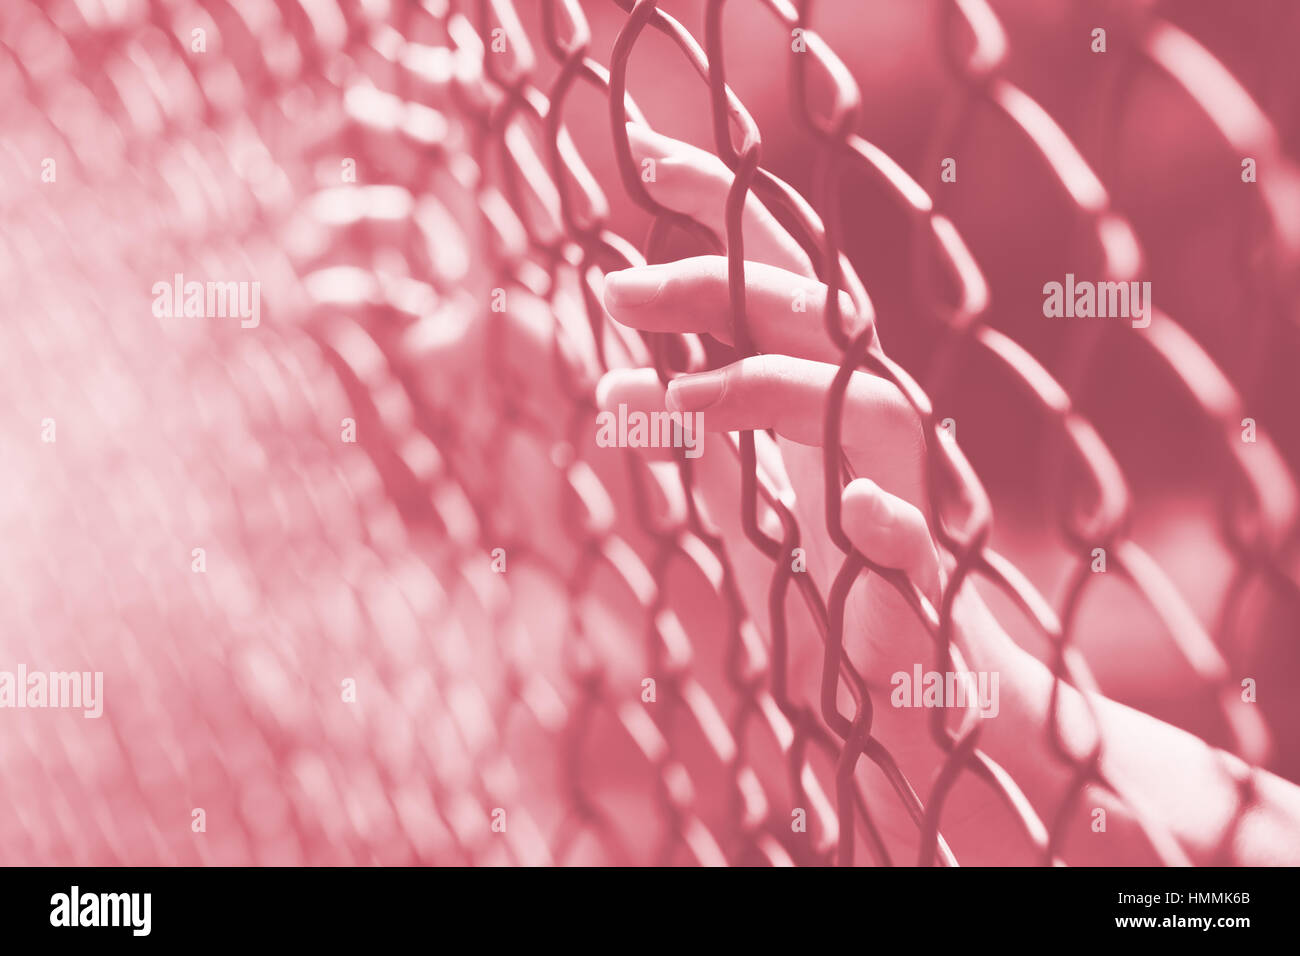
(328, 561)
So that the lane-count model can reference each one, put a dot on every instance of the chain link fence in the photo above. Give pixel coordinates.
(385, 170)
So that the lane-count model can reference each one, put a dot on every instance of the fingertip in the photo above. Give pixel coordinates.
(634, 387)
(609, 291)
(604, 388)
(863, 502)
(630, 288)
(859, 488)
(624, 394)
(671, 398)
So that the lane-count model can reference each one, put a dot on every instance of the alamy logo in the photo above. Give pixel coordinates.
(1103, 300)
(74, 908)
(212, 300)
(958, 689)
(55, 690)
(651, 430)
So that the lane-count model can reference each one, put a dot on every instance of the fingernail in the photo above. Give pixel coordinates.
(694, 393)
(633, 287)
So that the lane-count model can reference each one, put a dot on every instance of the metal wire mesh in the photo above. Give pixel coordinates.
(378, 563)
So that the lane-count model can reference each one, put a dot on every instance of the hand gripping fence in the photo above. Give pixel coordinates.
(409, 50)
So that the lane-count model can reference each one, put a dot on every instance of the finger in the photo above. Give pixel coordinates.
(695, 183)
(716, 476)
(716, 483)
(789, 395)
(879, 430)
(891, 532)
(784, 312)
(631, 399)
(638, 392)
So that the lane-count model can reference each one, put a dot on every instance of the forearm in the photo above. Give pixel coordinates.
(1159, 772)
